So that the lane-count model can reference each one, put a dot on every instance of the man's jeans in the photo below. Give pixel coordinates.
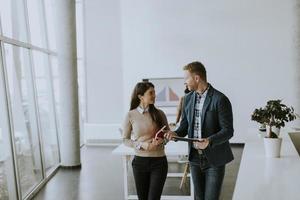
(207, 179)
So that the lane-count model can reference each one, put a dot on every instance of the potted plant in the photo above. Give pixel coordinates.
(274, 115)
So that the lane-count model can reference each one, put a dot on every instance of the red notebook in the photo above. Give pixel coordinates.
(160, 133)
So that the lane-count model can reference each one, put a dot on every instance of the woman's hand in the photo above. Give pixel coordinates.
(156, 144)
(157, 141)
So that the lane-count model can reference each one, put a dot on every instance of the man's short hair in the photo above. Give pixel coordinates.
(196, 68)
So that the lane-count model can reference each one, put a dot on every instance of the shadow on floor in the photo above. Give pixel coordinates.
(101, 178)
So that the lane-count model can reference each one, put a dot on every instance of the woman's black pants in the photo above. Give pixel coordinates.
(150, 174)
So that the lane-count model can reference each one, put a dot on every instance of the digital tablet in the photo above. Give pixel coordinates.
(176, 138)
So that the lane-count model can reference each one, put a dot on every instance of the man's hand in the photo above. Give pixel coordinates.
(202, 144)
(170, 135)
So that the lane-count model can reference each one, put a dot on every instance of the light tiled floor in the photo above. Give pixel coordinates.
(101, 178)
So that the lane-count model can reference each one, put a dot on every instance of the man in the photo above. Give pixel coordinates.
(207, 115)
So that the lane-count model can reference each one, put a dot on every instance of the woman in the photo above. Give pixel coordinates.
(180, 106)
(150, 164)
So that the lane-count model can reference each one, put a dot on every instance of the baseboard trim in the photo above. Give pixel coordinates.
(71, 167)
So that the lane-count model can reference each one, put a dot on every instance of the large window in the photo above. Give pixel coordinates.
(29, 124)
(29, 94)
(7, 184)
(25, 128)
(45, 98)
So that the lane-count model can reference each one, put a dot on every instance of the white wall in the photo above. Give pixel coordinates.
(250, 48)
(103, 57)
(104, 69)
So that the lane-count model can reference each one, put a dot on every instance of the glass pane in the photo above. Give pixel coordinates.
(55, 78)
(49, 11)
(13, 19)
(36, 22)
(6, 18)
(46, 109)
(24, 117)
(7, 179)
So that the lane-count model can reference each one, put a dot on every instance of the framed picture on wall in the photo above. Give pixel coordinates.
(168, 93)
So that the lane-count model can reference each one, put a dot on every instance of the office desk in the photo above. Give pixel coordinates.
(262, 178)
(172, 149)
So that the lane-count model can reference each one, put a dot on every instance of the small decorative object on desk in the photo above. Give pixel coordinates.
(274, 115)
(172, 126)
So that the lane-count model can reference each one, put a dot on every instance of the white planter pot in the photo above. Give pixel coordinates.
(272, 147)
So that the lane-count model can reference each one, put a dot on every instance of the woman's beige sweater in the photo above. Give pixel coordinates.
(139, 128)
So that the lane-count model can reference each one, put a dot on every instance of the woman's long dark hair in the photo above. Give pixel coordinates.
(140, 89)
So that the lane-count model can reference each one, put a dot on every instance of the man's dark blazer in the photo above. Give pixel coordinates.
(216, 125)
